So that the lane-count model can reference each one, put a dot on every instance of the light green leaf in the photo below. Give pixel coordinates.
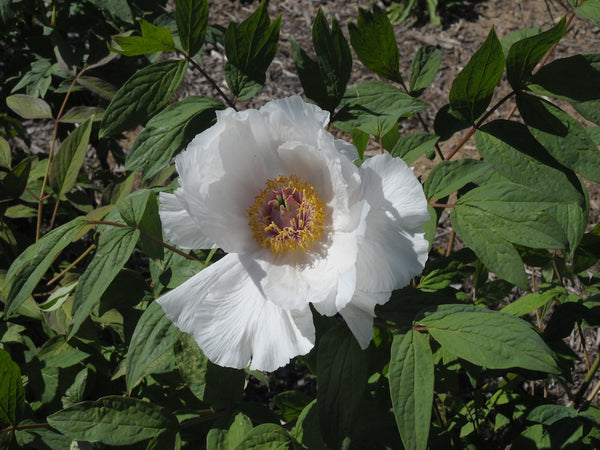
(227, 439)
(29, 107)
(589, 10)
(153, 39)
(307, 430)
(449, 176)
(342, 371)
(151, 347)
(473, 88)
(26, 271)
(423, 69)
(12, 395)
(113, 420)
(530, 302)
(374, 42)
(266, 436)
(168, 132)
(411, 386)
(192, 22)
(65, 166)
(5, 155)
(142, 96)
(561, 135)
(114, 249)
(489, 338)
(410, 147)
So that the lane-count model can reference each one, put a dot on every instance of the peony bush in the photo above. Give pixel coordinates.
(271, 277)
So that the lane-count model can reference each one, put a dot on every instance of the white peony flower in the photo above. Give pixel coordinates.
(300, 223)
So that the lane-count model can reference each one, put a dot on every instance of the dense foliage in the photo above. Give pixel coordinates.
(88, 355)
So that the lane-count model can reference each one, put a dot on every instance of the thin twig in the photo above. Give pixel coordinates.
(27, 426)
(70, 266)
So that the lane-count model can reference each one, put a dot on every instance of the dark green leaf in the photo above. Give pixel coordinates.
(374, 42)
(266, 436)
(65, 166)
(113, 420)
(444, 275)
(229, 438)
(142, 96)
(410, 147)
(508, 41)
(153, 39)
(447, 122)
(5, 155)
(449, 176)
(192, 22)
(250, 48)
(98, 86)
(168, 132)
(342, 371)
(151, 347)
(290, 404)
(29, 107)
(423, 69)
(14, 182)
(79, 114)
(561, 135)
(26, 271)
(114, 249)
(473, 88)
(489, 338)
(140, 209)
(526, 53)
(57, 352)
(12, 395)
(307, 430)
(411, 386)
(573, 79)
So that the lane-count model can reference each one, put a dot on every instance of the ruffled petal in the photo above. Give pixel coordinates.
(233, 323)
(179, 227)
(359, 314)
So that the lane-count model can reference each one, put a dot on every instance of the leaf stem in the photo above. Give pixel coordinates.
(587, 381)
(208, 78)
(27, 426)
(146, 234)
(442, 205)
(70, 266)
(50, 154)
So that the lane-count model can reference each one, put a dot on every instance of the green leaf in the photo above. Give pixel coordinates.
(14, 182)
(113, 420)
(489, 338)
(140, 209)
(449, 176)
(153, 39)
(423, 69)
(307, 430)
(410, 147)
(531, 302)
(218, 386)
(447, 122)
(27, 270)
(324, 81)
(526, 53)
(5, 154)
(589, 10)
(168, 132)
(342, 371)
(192, 22)
(142, 96)
(226, 439)
(561, 135)
(374, 42)
(12, 395)
(411, 387)
(290, 404)
(574, 79)
(114, 249)
(508, 41)
(98, 86)
(496, 253)
(65, 166)
(56, 352)
(151, 347)
(375, 108)
(266, 436)
(79, 114)
(29, 107)
(250, 48)
(473, 88)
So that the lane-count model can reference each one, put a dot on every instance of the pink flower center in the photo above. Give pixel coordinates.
(287, 215)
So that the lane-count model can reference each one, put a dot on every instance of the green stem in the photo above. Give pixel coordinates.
(587, 381)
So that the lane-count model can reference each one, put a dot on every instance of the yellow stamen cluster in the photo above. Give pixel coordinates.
(287, 215)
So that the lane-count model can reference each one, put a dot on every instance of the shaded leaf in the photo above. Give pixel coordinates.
(29, 107)
(12, 395)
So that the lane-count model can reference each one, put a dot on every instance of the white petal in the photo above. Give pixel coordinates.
(394, 248)
(178, 225)
(359, 314)
(233, 323)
